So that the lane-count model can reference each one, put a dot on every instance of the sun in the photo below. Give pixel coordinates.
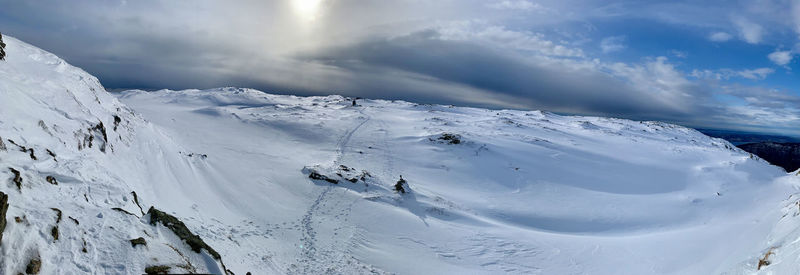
(306, 9)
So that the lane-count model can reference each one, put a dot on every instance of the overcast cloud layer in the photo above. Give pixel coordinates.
(716, 64)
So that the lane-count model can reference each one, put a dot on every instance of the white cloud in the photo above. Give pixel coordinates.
(781, 58)
(725, 74)
(613, 44)
(720, 37)
(499, 36)
(515, 5)
(756, 74)
(679, 54)
(750, 32)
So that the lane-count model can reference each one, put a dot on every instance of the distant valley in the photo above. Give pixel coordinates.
(783, 154)
(783, 151)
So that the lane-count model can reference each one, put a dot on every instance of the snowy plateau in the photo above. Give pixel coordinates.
(245, 181)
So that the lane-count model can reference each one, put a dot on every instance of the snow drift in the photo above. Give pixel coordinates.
(269, 184)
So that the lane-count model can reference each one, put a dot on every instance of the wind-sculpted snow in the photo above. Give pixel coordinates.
(79, 154)
(520, 192)
(306, 185)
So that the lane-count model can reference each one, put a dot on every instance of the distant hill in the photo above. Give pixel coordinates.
(786, 155)
(737, 137)
(783, 151)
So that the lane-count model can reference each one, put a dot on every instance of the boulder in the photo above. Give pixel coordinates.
(180, 229)
(34, 266)
(138, 241)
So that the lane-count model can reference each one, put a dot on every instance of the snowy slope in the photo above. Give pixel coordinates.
(98, 152)
(525, 192)
(520, 193)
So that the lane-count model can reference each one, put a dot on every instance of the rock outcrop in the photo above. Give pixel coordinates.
(3, 211)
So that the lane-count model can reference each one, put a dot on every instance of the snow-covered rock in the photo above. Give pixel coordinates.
(520, 192)
(80, 154)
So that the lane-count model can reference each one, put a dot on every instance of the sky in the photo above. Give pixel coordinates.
(708, 64)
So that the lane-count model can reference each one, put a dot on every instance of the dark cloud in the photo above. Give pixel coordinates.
(551, 85)
(471, 52)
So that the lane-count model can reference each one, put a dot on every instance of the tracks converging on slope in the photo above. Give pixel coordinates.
(310, 260)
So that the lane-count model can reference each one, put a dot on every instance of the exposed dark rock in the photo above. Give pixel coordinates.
(136, 200)
(180, 229)
(317, 176)
(52, 180)
(31, 154)
(123, 211)
(351, 173)
(24, 149)
(3, 211)
(18, 219)
(400, 186)
(102, 128)
(34, 266)
(58, 214)
(137, 241)
(17, 178)
(342, 173)
(51, 154)
(764, 261)
(74, 220)
(117, 120)
(157, 269)
(3, 145)
(2, 48)
(785, 155)
(54, 232)
(100, 131)
(204, 156)
(448, 138)
(21, 148)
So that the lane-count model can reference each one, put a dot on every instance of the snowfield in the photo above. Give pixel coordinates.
(306, 185)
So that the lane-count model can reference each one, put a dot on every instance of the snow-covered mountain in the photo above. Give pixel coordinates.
(273, 184)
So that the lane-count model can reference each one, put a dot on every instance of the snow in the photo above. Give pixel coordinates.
(523, 192)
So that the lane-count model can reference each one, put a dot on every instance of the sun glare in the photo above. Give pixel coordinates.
(306, 9)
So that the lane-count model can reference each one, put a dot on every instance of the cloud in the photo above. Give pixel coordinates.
(781, 58)
(500, 37)
(654, 89)
(679, 54)
(764, 97)
(613, 44)
(720, 37)
(725, 74)
(467, 52)
(756, 74)
(796, 16)
(515, 5)
(749, 31)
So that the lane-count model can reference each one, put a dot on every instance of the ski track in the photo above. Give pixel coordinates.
(333, 260)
